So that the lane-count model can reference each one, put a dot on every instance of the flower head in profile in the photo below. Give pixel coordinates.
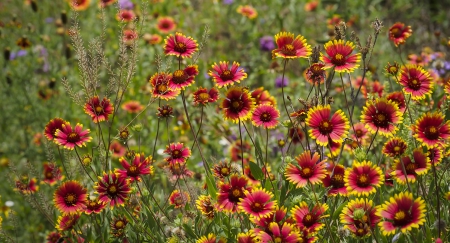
(394, 147)
(222, 170)
(165, 25)
(308, 169)
(179, 198)
(26, 185)
(136, 169)
(398, 98)
(125, 15)
(340, 56)
(290, 47)
(263, 97)
(98, 110)
(52, 126)
(79, 5)
(416, 81)
(70, 197)
(69, 138)
(160, 86)
(132, 106)
(94, 206)
(399, 32)
(247, 11)
(118, 225)
(177, 153)
(237, 104)
(432, 129)
(230, 193)
(181, 79)
(401, 212)
(335, 180)
(381, 116)
(257, 203)
(224, 75)
(309, 218)
(363, 178)
(419, 166)
(205, 206)
(359, 217)
(52, 174)
(203, 97)
(392, 69)
(265, 116)
(315, 74)
(113, 189)
(324, 128)
(66, 222)
(180, 45)
(285, 233)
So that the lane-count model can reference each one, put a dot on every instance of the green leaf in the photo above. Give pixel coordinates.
(211, 187)
(190, 233)
(257, 172)
(338, 211)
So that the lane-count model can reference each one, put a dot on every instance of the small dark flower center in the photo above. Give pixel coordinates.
(396, 32)
(179, 76)
(73, 137)
(203, 97)
(226, 75)
(119, 224)
(237, 105)
(176, 154)
(337, 181)
(112, 190)
(98, 109)
(70, 199)
(308, 220)
(306, 172)
(235, 195)
(162, 88)
(411, 169)
(49, 175)
(325, 127)
(380, 120)
(224, 171)
(414, 84)
(359, 133)
(338, 59)
(401, 218)
(256, 207)
(288, 50)
(363, 180)
(180, 47)
(431, 133)
(265, 117)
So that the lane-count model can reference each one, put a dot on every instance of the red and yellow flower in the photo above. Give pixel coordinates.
(398, 33)
(419, 166)
(179, 198)
(285, 233)
(363, 178)
(257, 203)
(160, 86)
(139, 167)
(205, 206)
(125, 15)
(69, 138)
(290, 47)
(165, 25)
(247, 11)
(401, 212)
(224, 75)
(52, 173)
(394, 147)
(309, 218)
(52, 126)
(79, 5)
(230, 193)
(416, 81)
(180, 45)
(359, 217)
(308, 169)
(237, 104)
(203, 97)
(432, 129)
(181, 79)
(381, 116)
(340, 56)
(398, 98)
(94, 206)
(113, 189)
(177, 153)
(98, 110)
(335, 180)
(132, 106)
(70, 197)
(265, 116)
(66, 222)
(324, 128)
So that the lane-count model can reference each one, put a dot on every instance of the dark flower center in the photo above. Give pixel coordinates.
(98, 109)
(49, 175)
(265, 117)
(237, 105)
(179, 76)
(224, 171)
(337, 181)
(393, 70)
(203, 97)
(380, 120)
(401, 218)
(414, 83)
(162, 88)
(133, 171)
(359, 133)
(411, 169)
(396, 32)
(70, 199)
(112, 190)
(325, 127)
(235, 194)
(176, 154)
(119, 224)
(431, 133)
(338, 59)
(288, 50)
(363, 180)
(308, 220)
(306, 172)
(256, 207)
(226, 75)
(73, 137)
(180, 47)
